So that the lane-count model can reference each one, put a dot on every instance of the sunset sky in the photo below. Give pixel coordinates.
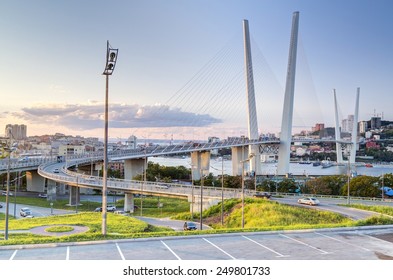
(180, 65)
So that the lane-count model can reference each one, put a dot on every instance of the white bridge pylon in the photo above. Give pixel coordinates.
(287, 114)
(354, 132)
(286, 127)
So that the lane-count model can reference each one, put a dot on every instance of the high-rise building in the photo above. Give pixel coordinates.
(347, 124)
(363, 126)
(16, 131)
(375, 123)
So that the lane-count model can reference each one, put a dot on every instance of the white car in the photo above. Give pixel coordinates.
(5, 193)
(24, 212)
(309, 201)
(110, 208)
(56, 170)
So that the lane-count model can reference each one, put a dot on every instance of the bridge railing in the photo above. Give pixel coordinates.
(18, 164)
(96, 182)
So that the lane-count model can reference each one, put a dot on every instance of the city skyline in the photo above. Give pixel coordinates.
(55, 54)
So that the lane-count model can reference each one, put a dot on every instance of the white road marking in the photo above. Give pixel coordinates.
(171, 250)
(374, 238)
(68, 253)
(219, 248)
(121, 254)
(13, 255)
(267, 248)
(305, 244)
(338, 240)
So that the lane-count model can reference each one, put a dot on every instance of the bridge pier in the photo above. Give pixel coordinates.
(74, 196)
(206, 203)
(200, 164)
(239, 154)
(35, 183)
(129, 202)
(92, 169)
(133, 167)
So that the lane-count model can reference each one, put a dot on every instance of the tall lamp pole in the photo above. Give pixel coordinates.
(201, 212)
(7, 199)
(242, 162)
(222, 191)
(111, 57)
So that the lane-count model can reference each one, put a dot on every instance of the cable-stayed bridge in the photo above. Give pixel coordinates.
(246, 151)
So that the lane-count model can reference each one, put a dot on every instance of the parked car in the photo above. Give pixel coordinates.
(189, 226)
(5, 193)
(120, 212)
(1, 205)
(98, 209)
(262, 195)
(308, 200)
(42, 195)
(24, 212)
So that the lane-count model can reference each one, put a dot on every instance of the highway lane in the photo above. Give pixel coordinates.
(330, 205)
(366, 243)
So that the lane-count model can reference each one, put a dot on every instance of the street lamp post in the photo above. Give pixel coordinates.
(222, 191)
(192, 192)
(348, 182)
(242, 162)
(111, 57)
(200, 217)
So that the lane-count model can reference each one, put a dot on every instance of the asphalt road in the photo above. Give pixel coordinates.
(331, 205)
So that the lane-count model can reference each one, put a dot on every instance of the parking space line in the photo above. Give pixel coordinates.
(374, 238)
(68, 253)
(13, 255)
(305, 244)
(171, 250)
(219, 248)
(120, 252)
(267, 248)
(338, 240)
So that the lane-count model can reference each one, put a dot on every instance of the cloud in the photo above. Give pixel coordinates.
(91, 116)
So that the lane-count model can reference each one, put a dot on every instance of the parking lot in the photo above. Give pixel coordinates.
(358, 244)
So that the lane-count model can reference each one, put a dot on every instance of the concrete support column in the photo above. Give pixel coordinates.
(239, 154)
(74, 196)
(129, 202)
(35, 183)
(206, 203)
(200, 162)
(51, 190)
(133, 167)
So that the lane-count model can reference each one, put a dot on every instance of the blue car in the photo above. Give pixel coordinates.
(387, 191)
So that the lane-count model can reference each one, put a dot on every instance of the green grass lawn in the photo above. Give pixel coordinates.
(170, 206)
(118, 226)
(260, 215)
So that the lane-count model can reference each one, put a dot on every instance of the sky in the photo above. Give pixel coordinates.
(180, 69)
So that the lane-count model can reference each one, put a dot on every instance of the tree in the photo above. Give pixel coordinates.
(287, 186)
(325, 185)
(363, 186)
